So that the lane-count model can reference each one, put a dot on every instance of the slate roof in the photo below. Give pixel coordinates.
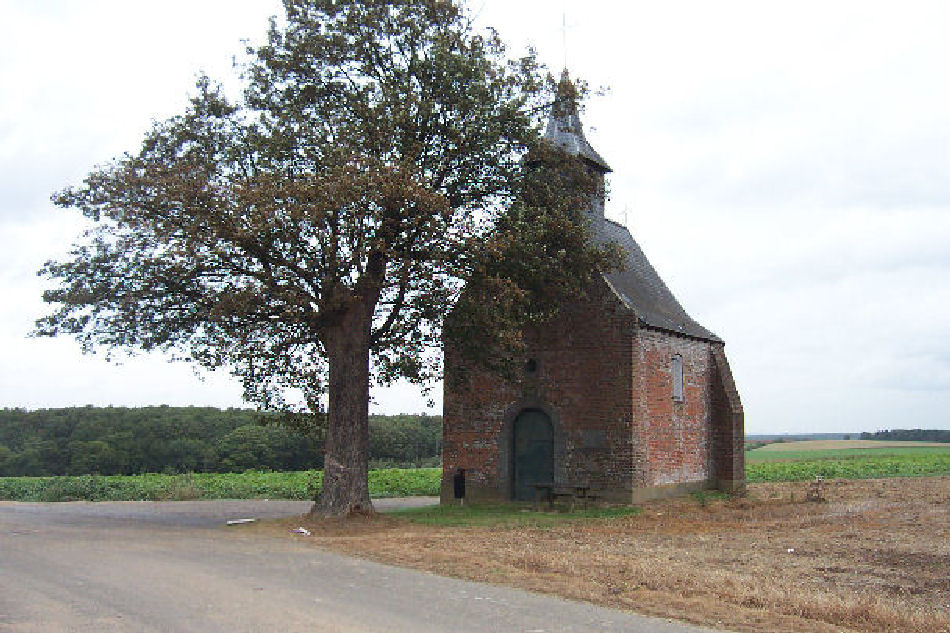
(640, 287)
(565, 129)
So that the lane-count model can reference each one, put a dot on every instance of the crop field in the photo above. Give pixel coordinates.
(762, 455)
(392, 482)
(789, 461)
(821, 445)
(846, 459)
(816, 449)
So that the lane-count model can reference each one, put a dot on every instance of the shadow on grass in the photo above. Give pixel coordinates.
(508, 515)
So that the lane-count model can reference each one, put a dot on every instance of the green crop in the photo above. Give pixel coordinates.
(396, 482)
(247, 485)
(863, 467)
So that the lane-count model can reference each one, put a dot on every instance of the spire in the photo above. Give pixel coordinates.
(565, 129)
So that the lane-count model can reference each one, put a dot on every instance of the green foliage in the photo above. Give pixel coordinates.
(253, 446)
(507, 515)
(301, 485)
(909, 435)
(405, 482)
(116, 440)
(98, 488)
(5, 456)
(539, 256)
(413, 482)
(323, 223)
(434, 461)
(703, 497)
(372, 146)
(405, 440)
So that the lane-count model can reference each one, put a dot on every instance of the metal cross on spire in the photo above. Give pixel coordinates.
(564, 36)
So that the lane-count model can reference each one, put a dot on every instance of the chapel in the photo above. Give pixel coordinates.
(623, 394)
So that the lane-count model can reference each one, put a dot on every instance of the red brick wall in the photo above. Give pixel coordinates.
(607, 385)
(583, 380)
(473, 414)
(728, 450)
(586, 376)
(676, 433)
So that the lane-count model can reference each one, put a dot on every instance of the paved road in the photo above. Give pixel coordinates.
(172, 567)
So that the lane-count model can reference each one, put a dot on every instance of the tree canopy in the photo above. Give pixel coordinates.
(127, 441)
(313, 233)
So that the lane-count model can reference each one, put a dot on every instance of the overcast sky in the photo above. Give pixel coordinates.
(784, 165)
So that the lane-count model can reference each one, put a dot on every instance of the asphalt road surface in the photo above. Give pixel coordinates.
(142, 567)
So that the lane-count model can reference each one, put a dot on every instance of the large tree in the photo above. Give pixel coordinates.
(313, 233)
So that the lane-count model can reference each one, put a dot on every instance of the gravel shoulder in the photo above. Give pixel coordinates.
(181, 514)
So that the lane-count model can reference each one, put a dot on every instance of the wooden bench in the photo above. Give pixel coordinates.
(551, 493)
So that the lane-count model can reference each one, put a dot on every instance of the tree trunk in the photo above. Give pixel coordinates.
(346, 449)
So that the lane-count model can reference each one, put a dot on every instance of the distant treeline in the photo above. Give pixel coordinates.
(799, 437)
(124, 441)
(909, 435)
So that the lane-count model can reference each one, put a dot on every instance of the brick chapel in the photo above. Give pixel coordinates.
(623, 393)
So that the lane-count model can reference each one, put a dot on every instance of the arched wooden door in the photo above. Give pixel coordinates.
(533, 443)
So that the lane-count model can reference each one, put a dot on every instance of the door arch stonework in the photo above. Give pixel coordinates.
(506, 443)
(533, 444)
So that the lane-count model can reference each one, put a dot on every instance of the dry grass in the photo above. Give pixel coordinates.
(874, 557)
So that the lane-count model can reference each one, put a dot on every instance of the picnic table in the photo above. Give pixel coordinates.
(550, 492)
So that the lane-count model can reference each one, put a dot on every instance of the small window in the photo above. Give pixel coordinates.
(678, 378)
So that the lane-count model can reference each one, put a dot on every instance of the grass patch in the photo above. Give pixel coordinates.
(504, 515)
(704, 497)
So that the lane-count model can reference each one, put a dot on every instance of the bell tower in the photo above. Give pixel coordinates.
(565, 131)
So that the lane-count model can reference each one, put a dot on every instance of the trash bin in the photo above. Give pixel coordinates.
(458, 482)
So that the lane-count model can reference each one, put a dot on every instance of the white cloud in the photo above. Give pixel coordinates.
(784, 166)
